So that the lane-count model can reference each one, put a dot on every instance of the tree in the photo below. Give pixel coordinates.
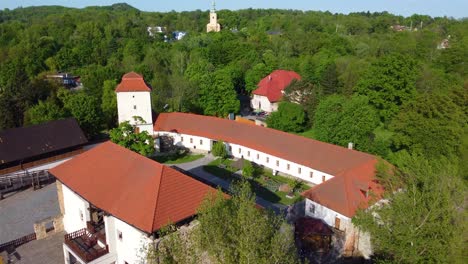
(43, 112)
(339, 120)
(109, 103)
(432, 124)
(85, 109)
(219, 150)
(305, 94)
(236, 231)
(290, 117)
(423, 219)
(254, 75)
(125, 136)
(248, 169)
(218, 96)
(389, 83)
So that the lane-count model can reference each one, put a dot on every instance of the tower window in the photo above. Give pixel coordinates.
(134, 107)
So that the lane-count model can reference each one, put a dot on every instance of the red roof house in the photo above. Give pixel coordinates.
(270, 89)
(132, 188)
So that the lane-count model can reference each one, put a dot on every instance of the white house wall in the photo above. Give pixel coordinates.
(129, 248)
(76, 211)
(327, 215)
(192, 142)
(130, 104)
(262, 102)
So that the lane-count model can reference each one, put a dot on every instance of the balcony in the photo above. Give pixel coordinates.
(86, 245)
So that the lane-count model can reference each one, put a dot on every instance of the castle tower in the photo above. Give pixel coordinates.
(213, 25)
(134, 100)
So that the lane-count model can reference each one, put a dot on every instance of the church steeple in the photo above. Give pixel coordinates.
(213, 25)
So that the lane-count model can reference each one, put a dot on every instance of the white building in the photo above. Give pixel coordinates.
(270, 90)
(213, 26)
(114, 201)
(134, 100)
(343, 179)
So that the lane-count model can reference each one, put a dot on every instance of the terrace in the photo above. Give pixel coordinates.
(86, 245)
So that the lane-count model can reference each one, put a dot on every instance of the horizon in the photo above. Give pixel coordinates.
(434, 8)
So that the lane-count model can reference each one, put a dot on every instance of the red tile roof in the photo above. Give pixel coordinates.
(352, 169)
(132, 82)
(272, 85)
(133, 188)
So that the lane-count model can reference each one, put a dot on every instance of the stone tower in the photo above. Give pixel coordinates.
(213, 25)
(134, 100)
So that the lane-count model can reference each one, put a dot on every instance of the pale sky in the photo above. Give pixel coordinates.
(450, 8)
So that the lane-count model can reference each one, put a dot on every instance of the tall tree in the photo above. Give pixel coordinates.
(340, 120)
(389, 83)
(290, 117)
(109, 103)
(423, 220)
(43, 112)
(217, 96)
(86, 110)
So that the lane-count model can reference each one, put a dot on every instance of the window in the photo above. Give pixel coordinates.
(277, 163)
(323, 178)
(337, 222)
(191, 140)
(311, 174)
(134, 107)
(312, 209)
(182, 139)
(119, 235)
(248, 153)
(201, 142)
(258, 156)
(240, 150)
(133, 96)
(81, 214)
(230, 148)
(288, 166)
(299, 170)
(267, 159)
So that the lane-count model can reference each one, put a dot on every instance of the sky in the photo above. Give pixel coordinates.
(450, 8)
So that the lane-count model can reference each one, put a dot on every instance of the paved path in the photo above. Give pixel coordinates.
(18, 212)
(196, 167)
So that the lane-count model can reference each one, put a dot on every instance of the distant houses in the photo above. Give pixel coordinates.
(67, 80)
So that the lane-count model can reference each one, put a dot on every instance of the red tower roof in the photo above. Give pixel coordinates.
(132, 82)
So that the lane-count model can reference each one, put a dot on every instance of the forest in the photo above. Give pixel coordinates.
(394, 93)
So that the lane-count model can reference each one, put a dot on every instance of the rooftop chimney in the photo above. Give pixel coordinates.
(269, 77)
(350, 145)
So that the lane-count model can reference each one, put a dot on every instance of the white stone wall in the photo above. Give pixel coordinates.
(278, 164)
(76, 211)
(130, 246)
(329, 216)
(262, 102)
(284, 166)
(192, 142)
(130, 104)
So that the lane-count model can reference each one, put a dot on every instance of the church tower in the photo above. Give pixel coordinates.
(213, 25)
(133, 101)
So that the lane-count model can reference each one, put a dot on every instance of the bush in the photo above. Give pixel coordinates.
(219, 150)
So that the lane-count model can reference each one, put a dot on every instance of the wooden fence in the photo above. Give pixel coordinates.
(18, 242)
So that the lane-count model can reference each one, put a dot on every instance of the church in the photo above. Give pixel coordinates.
(213, 26)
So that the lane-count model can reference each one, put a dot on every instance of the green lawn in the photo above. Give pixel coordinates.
(177, 159)
(260, 184)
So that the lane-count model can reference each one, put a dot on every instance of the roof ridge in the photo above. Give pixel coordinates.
(158, 191)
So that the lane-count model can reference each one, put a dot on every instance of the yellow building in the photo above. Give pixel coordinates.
(213, 25)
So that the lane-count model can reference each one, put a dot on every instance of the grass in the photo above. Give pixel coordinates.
(177, 158)
(259, 183)
(308, 134)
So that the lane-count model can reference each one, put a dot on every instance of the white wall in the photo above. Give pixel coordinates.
(130, 104)
(192, 142)
(129, 248)
(326, 214)
(76, 211)
(265, 104)
(270, 161)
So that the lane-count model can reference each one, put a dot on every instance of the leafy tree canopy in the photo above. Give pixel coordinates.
(290, 117)
(125, 136)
